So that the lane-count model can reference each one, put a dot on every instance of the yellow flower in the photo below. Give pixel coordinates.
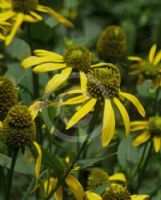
(116, 191)
(98, 177)
(151, 129)
(102, 85)
(19, 11)
(149, 67)
(73, 184)
(76, 57)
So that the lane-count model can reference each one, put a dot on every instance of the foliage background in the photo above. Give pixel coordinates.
(141, 20)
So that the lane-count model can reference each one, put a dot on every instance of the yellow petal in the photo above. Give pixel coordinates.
(36, 16)
(6, 15)
(124, 115)
(83, 111)
(157, 58)
(35, 108)
(55, 15)
(99, 65)
(108, 123)
(30, 19)
(118, 177)
(44, 53)
(142, 138)
(47, 67)
(137, 128)
(92, 196)
(75, 100)
(134, 58)
(152, 52)
(157, 143)
(135, 102)
(140, 197)
(57, 81)
(17, 24)
(83, 80)
(34, 60)
(139, 123)
(75, 187)
(38, 160)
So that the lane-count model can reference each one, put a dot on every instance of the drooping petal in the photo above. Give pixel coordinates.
(38, 160)
(142, 138)
(30, 19)
(44, 53)
(152, 53)
(134, 101)
(134, 58)
(82, 112)
(137, 128)
(55, 15)
(75, 187)
(49, 185)
(47, 67)
(92, 196)
(99, 65)
(124, 115)
(118, 177)
(140, 197)
(6, 15)
(36, 16)
(157, 58)
(157, 143)
(108, 123)
(17, 24)
(139, 123)
(57, 81)
(35, 108)
(83, 80)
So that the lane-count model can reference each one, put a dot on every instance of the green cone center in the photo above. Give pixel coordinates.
(155, 125)
(24, 6)
(78, 57)
(104, 82)
(117, 192)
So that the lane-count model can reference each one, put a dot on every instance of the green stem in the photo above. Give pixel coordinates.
(144, 165)
(10, 174)
(61, 181)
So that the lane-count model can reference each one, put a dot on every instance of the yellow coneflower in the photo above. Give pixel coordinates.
(20, 11)
(18, 130)
(112, 43)
(98, 176)
(151, 129)
(150, 67)
(102, 85)
(76, 58)
(117, 191)
(71, 181)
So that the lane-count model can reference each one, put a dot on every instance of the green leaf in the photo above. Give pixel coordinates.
(52, 162)
(19, 49)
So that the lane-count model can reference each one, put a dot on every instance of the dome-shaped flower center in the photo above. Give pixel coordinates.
(24, 6)
(78, 57)
(104, 82)
(117, 192)
(155, 125)
(97, 178)
(8, 96)
(112, 43)
(19, 128)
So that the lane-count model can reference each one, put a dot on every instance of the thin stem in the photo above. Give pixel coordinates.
(61, 181)
(10, 174)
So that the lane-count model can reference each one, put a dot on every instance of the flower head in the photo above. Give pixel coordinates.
(19, 11)
(112, 43)
(76, 58)
(149, 67)
(8, 96)
(96, 88)
(151, 129)
(99, 177)
(19, 128)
